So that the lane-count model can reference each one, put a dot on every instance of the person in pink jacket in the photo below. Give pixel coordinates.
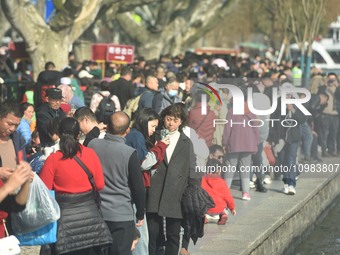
(241, 141)
(202, 124)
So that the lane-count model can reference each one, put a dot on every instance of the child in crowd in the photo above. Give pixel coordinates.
(53, 132)
(217, 188)
(37, 160)
(34, 152)
(35, 146)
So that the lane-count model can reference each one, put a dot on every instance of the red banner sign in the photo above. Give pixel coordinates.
(99, 51)
(120, 53)
(113, 53)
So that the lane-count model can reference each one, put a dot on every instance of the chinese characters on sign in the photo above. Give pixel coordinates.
(124, 53)
(113, 52)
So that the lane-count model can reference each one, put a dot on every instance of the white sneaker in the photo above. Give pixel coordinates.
(252, 185)
(267, 180)
(212, 218)
(285, 188)
(291, 190)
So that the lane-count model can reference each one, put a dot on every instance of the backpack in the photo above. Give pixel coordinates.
(105, 108)
(131, 106)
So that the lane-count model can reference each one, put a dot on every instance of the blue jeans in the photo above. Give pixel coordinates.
(289, 161)
(142, 246)
(307, 139)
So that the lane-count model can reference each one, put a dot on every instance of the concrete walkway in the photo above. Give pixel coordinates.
(271, 221)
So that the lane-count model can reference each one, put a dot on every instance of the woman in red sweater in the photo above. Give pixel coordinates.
(217, 188)
(81, 226)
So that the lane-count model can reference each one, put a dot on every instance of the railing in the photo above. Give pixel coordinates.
(12, 90)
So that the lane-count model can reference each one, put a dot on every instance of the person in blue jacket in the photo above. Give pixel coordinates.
(142, 138)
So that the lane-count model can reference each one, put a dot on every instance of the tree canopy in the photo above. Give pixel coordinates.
(159, 27)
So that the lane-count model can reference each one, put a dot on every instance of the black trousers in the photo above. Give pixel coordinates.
(314, 149)
(328, 128)
(155, 227)
(185, 241)
(122, 235)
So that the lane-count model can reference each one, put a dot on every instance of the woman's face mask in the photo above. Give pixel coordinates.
(173, 92)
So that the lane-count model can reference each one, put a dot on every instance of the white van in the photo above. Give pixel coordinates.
(326, 52)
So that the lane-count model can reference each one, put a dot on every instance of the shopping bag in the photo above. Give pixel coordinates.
(9, 246)
(41, 209)
(269, 154)
(44, 235)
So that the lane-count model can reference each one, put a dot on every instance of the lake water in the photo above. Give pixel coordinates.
(325, 238)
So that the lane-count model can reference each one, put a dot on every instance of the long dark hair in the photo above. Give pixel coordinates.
(53, 126)
(141, 124)
(69, 130)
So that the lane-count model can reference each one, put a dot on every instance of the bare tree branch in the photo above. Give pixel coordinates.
(84, 19)
(5, 25)
(318, 9)
(26, 20)
(165, 10)
(210, 23)
(314, 22)
(128, 5)
(305, 10)
(138, 33)
(293, 23)
(65, 16)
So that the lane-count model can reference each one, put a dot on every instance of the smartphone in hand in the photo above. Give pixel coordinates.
(164, 133)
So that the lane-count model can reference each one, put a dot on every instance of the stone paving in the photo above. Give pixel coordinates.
(255, 219)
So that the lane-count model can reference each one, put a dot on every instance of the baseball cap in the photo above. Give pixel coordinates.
(54, 93)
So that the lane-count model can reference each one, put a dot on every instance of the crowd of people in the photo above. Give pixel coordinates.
(139, 135)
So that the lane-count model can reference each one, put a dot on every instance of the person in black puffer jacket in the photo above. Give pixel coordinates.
(195, 204)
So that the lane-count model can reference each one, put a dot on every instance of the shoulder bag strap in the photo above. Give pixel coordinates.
(6, 231)
(169, 100)
(102, 94)
(204, 119)
(91, 179)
